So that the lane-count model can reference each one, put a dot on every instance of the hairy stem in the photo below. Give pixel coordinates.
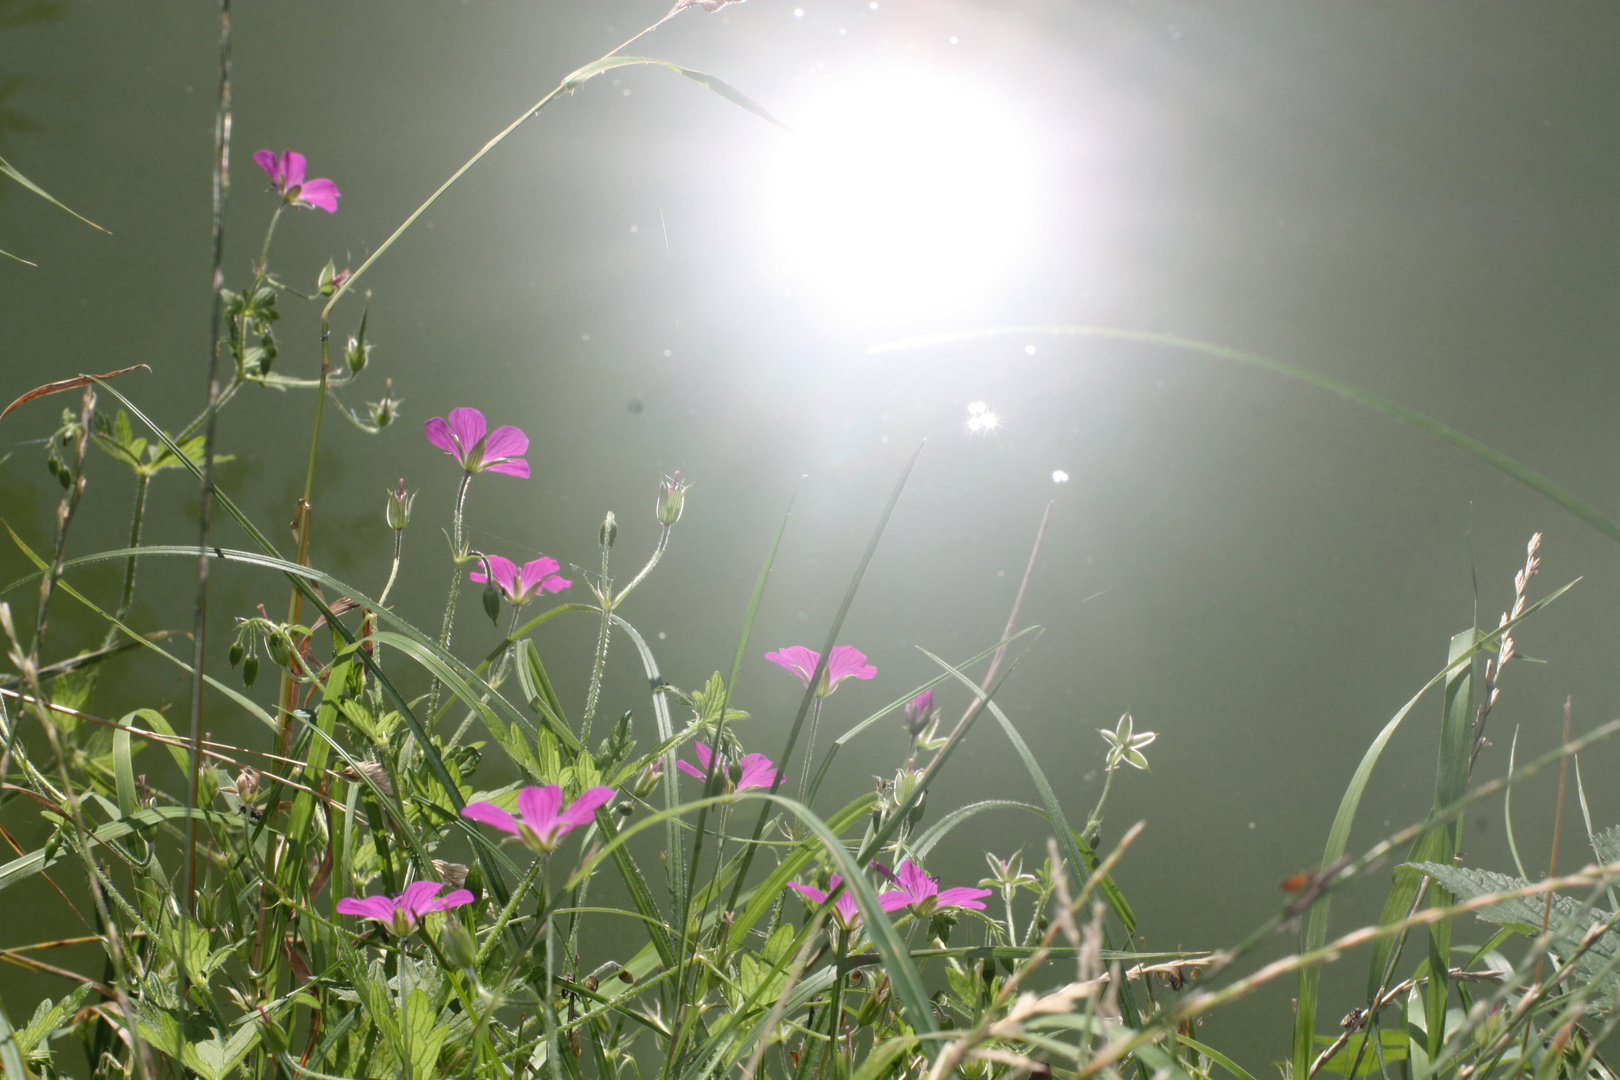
(142, 481)
(458, 556)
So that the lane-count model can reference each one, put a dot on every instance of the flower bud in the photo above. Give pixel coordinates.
(384, 412)
(280, 648)
(647, 780)
(671, 499)
(399, 507)
(250, 670)
(325, 283)
(247, 783)
(919, 710)
(458, 945)
(609, 531)
(357, 355)
(492, 600)
(236, 653)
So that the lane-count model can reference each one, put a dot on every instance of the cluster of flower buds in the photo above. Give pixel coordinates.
(331, 279)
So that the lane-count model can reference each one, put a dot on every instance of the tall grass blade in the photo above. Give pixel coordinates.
(7, 169)
(784, 758)
(1499, 461)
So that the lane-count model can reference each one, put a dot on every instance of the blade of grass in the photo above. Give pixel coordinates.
(784, 758)
(7, 169)
(1499, 461)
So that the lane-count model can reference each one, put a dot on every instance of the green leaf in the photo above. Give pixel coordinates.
(49, 1019)
(11, 1056)
(711, 699)
(423, 1035)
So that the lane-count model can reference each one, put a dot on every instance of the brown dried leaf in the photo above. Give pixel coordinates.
(66, 384)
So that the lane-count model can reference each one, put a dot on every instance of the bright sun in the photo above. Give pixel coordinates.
(904, 195)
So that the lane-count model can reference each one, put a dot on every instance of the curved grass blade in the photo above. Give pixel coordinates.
(1469, 445)
(902, 973)
(570, 83)
(937, 831)
(1068, 839)
(784, 758)
(666, 731)
(7, 169)
(900, 703)
(1316, 928)
(26, 866)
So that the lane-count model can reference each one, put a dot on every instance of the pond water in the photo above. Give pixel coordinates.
(1422, 201)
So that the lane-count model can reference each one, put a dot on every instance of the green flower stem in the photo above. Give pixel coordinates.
(810, 746)
(524, 885)
(458, 556)
(142, 480)
(658, 553)
(1094, 822)
(599, 664)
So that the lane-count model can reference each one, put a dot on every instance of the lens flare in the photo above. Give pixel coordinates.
(906, 194)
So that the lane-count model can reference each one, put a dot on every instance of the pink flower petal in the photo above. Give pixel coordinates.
(506, 442)
(757, 772)
(451, 900)
(469, 427)
(534, 572)
(514, 467)
(479, 576)
(490, 814)
(814, 895)
(320, 193)
(417, 899)
(584, 808)
(917, 884)
(893, 900)
(439, 434)
(266, 160)
(380, 908)
(292, 168)
(539, 806)
(847, 662)
(690, 770)
(962, 898)
(797, 659)
(555, 584)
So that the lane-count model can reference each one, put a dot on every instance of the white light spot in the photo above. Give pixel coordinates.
(668, 353)
(798, 13)
(627, 91)
(1030, 349)
(1059, 476)
(662, 635)
(584, 337)
(842, 31)
(1001, 573)
(1251, 824)
(635, 228)
(859, 201)
(975, 407)
(953, 41)
(980, 418)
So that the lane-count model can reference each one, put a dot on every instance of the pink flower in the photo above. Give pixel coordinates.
(401, 913)
(463, 438)
(519, 586)
(921, 894)
(542, 820)
(754, 770)
(846, 662)
(846, 912)
(287, 174)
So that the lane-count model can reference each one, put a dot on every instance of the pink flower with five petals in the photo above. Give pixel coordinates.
(402, 913)
(921, 893)
(286, 172)
(846, 662)
(754, 770)
(463, 439)
(519, 586)
(542, 821)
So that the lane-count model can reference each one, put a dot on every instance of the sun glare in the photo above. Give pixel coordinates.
(904, 195)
